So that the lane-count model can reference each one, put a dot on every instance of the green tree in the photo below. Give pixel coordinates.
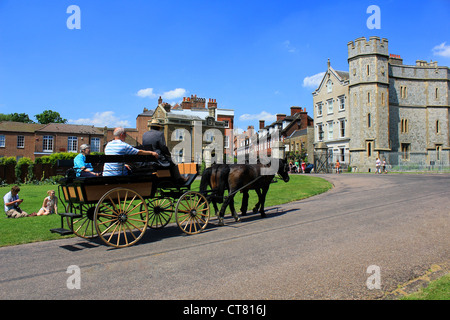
(49, 116)
(16, 117)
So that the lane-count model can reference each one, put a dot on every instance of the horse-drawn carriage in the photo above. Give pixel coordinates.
(119, 209)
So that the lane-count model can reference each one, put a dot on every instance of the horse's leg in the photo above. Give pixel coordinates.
(244, 205)
(216, 209)
(233, 210)
(222, 212)
(257, 205)
(263, 200)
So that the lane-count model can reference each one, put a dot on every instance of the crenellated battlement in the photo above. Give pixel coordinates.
(361, 46)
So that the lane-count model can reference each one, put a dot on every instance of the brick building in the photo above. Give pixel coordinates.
(280, 131)
(19, 139)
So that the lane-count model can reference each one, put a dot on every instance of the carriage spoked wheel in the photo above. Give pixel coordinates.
(84, 226)
(160, 212)
(121, 217)
(192, 212)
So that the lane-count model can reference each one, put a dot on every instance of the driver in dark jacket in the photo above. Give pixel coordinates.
(154, 140)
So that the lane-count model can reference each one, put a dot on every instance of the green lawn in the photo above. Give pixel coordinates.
(436, 290)
(32, 229)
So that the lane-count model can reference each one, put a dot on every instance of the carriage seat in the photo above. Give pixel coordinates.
(187, 170)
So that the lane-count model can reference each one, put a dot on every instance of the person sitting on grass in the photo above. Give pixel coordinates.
(12, 203)
(50, 204)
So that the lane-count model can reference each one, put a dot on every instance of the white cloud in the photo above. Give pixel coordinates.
(144, 93)
(313, 81)
(102, 119)
(174, 94)
(263, 115)
(442, 50)
(168, 95)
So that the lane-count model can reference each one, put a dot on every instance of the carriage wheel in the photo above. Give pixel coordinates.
(83, 227)
(192, 212)
(160, 212)
(121, 217)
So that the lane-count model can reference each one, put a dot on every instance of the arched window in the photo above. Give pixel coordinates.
(329, 86)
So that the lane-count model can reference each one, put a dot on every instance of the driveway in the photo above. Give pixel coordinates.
(385, 228)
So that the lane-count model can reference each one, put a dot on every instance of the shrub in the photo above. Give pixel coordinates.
(18, 170)
(8, 160)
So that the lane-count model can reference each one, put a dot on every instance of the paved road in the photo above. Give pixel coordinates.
(318, 248)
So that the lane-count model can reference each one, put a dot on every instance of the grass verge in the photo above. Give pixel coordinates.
(436, 290)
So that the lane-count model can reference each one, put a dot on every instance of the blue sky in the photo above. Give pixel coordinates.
(256, 57)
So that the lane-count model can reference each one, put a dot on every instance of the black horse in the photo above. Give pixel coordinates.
(215, 177)
(245, 177)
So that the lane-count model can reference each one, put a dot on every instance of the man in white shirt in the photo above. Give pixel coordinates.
(12, 203)
(119, 147)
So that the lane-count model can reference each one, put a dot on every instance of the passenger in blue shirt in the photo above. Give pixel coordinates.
(83, 168)
(118, 146)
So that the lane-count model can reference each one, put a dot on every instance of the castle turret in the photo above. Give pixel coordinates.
(368, 98)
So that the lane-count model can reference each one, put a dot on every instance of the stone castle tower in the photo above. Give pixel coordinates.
(368, 99)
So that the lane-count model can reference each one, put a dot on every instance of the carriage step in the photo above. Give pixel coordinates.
(61, 231)
(70, 214)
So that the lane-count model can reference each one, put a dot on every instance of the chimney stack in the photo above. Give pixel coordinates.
(295, 110)
(280, 117)
(261, 124)
(212, 106)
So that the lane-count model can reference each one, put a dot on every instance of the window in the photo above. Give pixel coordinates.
(330, 130)
(330, 105)
(95, 144)
(404, 126)
(405, 148)
(320, 132)
(329, 86)
(368, 97)
(2, 141)
(403, 92)
(178, 135)
(436, 94)
(72, 144)
(47, 144)
(342, 127)
(382, 99)
(368, 70)
(227, 142)
(319, 108)
(20, 142)
(227, 123)
(369, 120)
(342, 154)
(369, 149)
(438, 152)
(341, 102)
